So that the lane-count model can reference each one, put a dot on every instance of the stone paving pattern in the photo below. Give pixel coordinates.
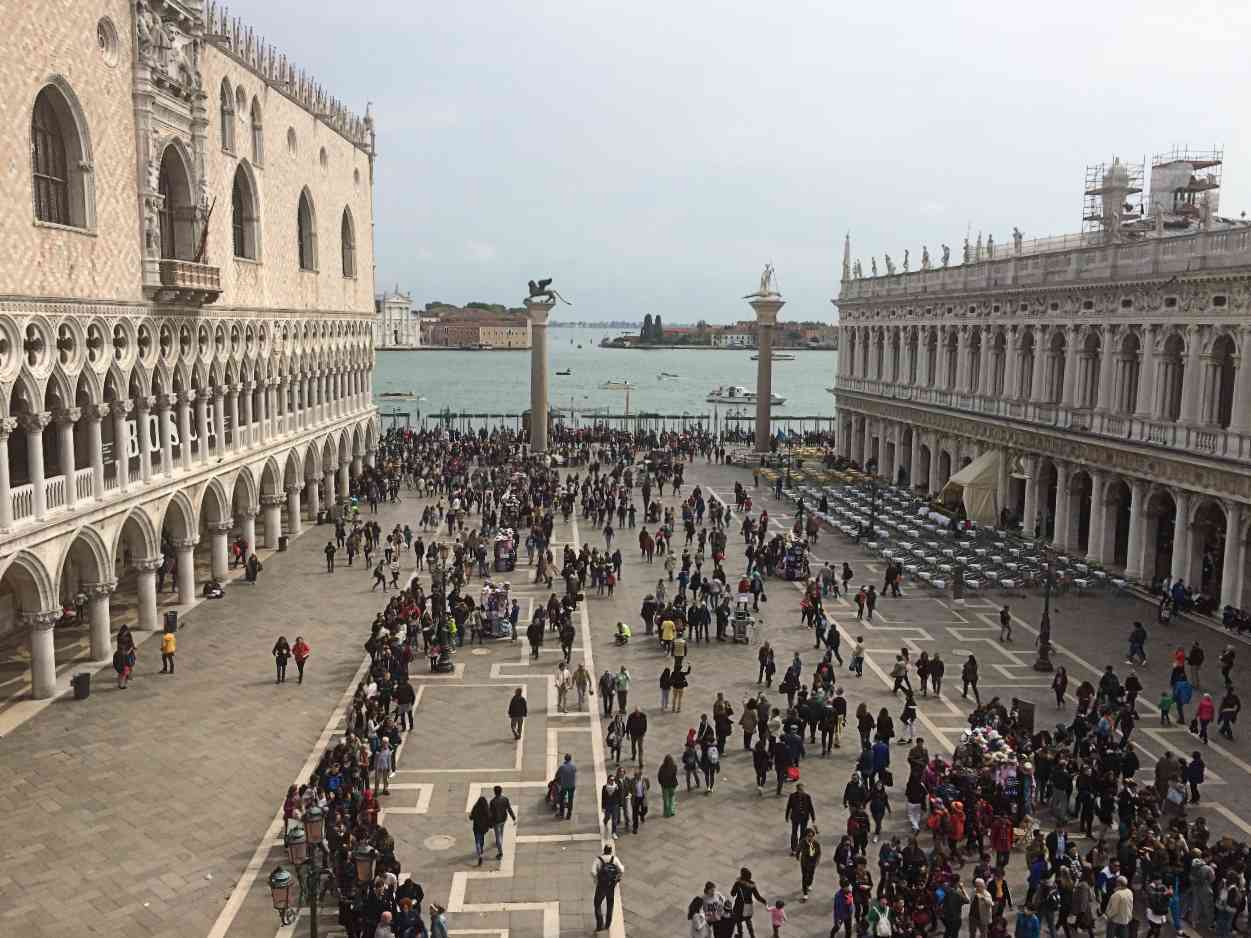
(131, 800)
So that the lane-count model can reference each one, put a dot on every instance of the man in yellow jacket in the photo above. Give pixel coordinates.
(169, 643)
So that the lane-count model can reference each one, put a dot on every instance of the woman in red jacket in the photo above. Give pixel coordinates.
(1205, 714)
(1001, 840)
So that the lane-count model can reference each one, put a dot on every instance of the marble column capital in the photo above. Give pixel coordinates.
(68, 415)
(218, 394)
(273, 501)
(246, 515)
(149, 564)
(186, 543)
(35, 422)
(105, 588)
(188, 396)
(96, 411)
(40, 621)
(166, 401)
(221, 527)
(294, 487)
(145, 403)
(7, 426)
(121, 407)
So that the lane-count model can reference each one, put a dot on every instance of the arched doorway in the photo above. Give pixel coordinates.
(85, 584)
(1172, 373)
(1205, 566)
(1219, 405)
(178, 212)
(1116, 501)
(944, 466)
(1080, 490)
(27, 600)
(923, 472)
(1047, 490)
(179, 530)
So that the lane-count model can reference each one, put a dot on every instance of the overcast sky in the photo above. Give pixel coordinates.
(652, 156)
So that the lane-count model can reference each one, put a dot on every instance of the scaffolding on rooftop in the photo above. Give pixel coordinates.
(1094, 189)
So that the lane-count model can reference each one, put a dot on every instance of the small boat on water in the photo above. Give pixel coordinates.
(775, 357)
(399, 395)
(617, 386)
(565, 373)
(737, 394)
(665, 374)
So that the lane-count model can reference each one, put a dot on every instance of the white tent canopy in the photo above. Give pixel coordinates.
(976, 485)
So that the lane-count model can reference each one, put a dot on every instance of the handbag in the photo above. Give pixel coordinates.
(792, 773)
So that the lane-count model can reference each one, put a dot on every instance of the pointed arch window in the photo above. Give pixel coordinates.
(60, 160)
(306, 225)
(258, 137)
(348, 235)
(228, 118)
(244, 216)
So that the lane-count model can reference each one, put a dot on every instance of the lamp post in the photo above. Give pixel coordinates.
(872, 511)
(304, 842)
(1044, 626)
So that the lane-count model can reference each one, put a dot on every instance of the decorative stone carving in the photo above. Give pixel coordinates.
(221, 527)
(100, 589)
(35, 422)
(1017, 238)
(150, 564)
(890, 266)
(39, 621)
(925, 257)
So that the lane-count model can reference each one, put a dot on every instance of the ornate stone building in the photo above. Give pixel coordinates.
(186, 309)
(1106, 372)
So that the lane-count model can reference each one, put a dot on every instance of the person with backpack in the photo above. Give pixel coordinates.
(711, 764)
(606, 873)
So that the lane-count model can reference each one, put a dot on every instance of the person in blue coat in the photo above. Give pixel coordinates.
(881, 758)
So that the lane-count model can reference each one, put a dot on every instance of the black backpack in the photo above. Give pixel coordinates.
(609, 873)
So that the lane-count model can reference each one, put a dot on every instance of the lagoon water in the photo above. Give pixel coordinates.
(499, 382)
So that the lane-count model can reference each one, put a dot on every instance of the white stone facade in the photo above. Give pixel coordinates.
(396, 326)
(1112, 379)
(186, 305)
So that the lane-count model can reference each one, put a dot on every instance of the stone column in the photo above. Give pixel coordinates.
(1235, 556)
(915, 465)
(202, 425)
(329, 477)
(219, 423)
(185, 400)
(219, 547)
(935, 483)
(7, 426)
(232, 407)
(121, 442)
(98, 612)
(1060, 535)
(1038, 383)
(1011, 367)
(963, 364)
(165, 429)
(345, 479)
(271, 507)
(313, 498)
(1107, 371)
(1181, 535)
(42, 652)
(766, 309)
(986, 367)
(1145, 409)
(1067, 395)
(538, 311)
(294, 525)
(184, 572)
(65, 421)
(1096, 551)
(248, 522)
(243, 430)
(1029, 516)
(923, 377)
(95, 415)
(1003, 484)
(34, 424)
(1240, 415)
(1192, 378)
(1137, 521)
(145, 586)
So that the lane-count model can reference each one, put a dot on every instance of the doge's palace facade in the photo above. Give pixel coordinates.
(1106, 372)
(186, 296)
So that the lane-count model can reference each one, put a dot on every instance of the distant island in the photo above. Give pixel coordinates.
(653, 333)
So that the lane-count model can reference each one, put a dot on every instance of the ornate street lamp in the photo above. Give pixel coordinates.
(364, 857)
(280, 885)
(1044, 626)
(297, 845)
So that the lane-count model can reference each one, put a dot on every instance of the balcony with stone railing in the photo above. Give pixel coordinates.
(188, 283)
(1204, 440)
(1068, 259)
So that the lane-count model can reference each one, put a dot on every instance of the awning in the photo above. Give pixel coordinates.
(976, 486)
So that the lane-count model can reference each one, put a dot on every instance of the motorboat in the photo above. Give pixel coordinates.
(737, 394)
(665, 374)
(399, 395)
(565, 373)
(775, 357)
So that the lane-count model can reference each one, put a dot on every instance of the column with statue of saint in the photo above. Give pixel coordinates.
(766, 303)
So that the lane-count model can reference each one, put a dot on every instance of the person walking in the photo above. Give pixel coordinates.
(607, 686)
(480, 818)
(667, 777)
(801, 812)
(809, 856)
(330, 550)
(300, 651)
(169, 644)
(1005, 635)
(501, 812)
(745, 895)
(582, 684)
(564, 681)
(1205, 713)
(621, 684)
(636, 729)
(606, 872)
(1194, 774)
(518, 710)
(282, 654)
(1120, 909)
(968, 674)
(567, 780)
(383, 765)
(380, 577)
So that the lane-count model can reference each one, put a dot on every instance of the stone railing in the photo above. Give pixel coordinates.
(190, 283)
(83, 483)
(22, 498)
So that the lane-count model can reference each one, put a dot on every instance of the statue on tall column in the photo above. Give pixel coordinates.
(767, 286)
(542, 290)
